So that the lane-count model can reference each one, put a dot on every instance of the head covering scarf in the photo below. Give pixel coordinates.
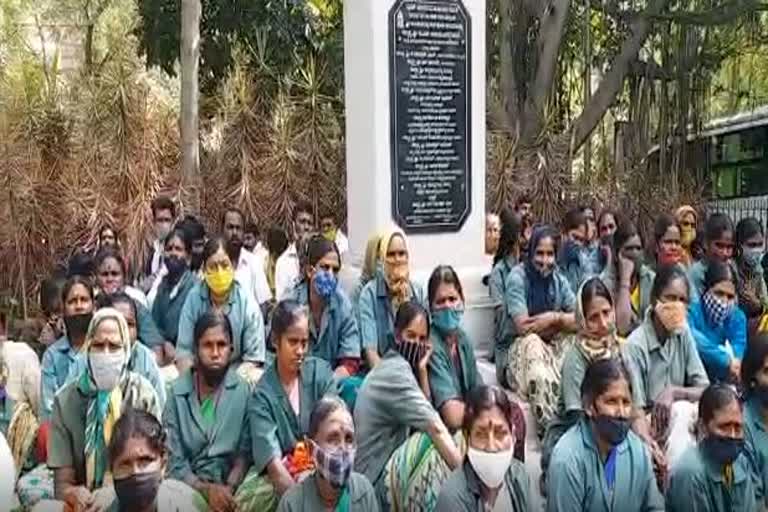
(541, 289)
(104, 407)
(592, 345)
(371, 260)
(396, 275)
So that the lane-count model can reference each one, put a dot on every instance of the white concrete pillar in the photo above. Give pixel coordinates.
(370, 102)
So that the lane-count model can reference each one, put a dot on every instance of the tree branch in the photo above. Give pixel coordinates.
(613, 81)
(720, 15)
(551, 33)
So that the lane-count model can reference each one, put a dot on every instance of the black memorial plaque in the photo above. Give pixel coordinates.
(431, 120)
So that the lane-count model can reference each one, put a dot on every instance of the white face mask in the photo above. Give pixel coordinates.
(490, 467)
(106, 368)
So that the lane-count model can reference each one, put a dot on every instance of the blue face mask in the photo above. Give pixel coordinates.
(571, 253)
(723, 450)
(447, 320)
(325, 283)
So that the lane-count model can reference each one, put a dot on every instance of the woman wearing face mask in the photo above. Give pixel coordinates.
(754, 375)
(452, 367)
(719, 326)
(718, 246)
(77, 298)
(750, 248)
(333, 485)
(207, 421)
(599, 464)
(280, 408)
(138, 458)
(85, 411)
(714, 475)
(393, 402)
(663, 353)
(688, 220)
(110, 278)
(142, 360)
(171, 291)
(628, 278)
(573, 258)
(666, 233)
(540, 304)
(507, 257)
(490, 478)
(219, 291)
(333, 332)
(381, 298)
(597, 339)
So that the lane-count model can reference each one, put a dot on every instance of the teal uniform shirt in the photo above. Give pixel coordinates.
(462, 491)
(376, 318)
(338, 336)
(142, 362)
(697, 485)
(503, 326)
(147, 330)
(390, 404)
(57, 360)
(756, 445)
(676, 362)
(6, 413)
(645, 279)
(696, 273)
(244, 316)
(169, 301)
(275, 427)
(304, 497)
(199, 450)
(447, 380)
(576, 481)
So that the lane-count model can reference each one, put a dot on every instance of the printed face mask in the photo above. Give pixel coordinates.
(325, 283)
(334, 466)
(717, 310)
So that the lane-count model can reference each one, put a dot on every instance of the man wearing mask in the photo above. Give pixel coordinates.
(163, 215)
(288, 267)
(249, 270)
(331, 232)
(252, 243)
(196, 232)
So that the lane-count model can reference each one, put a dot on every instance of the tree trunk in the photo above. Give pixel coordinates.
(190, 141)
(89, 48)
(613, 81)
(551, 33)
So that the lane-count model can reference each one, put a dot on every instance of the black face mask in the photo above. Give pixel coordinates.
(761, 393)
(412, 351)
(77, 325)
(176, 267)
(138, 492)
(613, 430)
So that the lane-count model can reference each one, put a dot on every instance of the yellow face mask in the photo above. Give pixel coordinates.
(330, 235)
(687, 236)
(220, 281)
